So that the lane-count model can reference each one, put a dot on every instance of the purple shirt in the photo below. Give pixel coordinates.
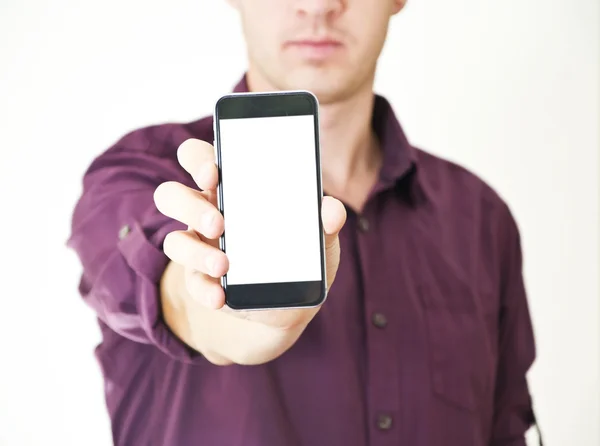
(425, 338)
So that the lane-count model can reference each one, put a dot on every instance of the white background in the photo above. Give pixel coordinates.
(508, 89)
(259, 152)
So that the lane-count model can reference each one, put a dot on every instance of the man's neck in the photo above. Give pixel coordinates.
(350, 152)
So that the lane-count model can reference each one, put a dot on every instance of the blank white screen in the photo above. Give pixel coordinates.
(270, 199)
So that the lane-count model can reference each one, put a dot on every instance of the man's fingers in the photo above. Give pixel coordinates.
(189, 207)
(186, 248)
(205, 289)
(198, 159)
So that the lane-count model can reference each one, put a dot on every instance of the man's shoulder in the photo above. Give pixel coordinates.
(466, 205)
(163, 139)
(454, 187)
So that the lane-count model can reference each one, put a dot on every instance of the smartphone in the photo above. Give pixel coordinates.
(270, 193)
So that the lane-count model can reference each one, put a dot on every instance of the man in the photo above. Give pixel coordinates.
(425, 338)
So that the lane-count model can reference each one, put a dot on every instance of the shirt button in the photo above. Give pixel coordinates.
(384, 422)
(379, 320)
(124, 232)
(363, 224)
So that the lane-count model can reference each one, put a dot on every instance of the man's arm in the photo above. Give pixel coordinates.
(117, 232)
(128, 278)
(513, 406)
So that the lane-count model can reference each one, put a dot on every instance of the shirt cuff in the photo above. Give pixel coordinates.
(142, 250)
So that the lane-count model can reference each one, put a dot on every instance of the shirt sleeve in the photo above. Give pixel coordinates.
(117, 233)
(513, 405)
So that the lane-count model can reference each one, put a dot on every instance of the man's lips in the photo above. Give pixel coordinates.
(318, 43)
(315, 48)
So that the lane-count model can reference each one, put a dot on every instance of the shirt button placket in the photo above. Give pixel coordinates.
(382, 359)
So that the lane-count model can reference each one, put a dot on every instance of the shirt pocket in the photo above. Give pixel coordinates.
(459, 349)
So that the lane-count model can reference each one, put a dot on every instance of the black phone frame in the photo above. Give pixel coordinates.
(283, 294)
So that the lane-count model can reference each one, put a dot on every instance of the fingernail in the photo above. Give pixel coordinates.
(208, 221)
(205, 172)
(210, 264)
(209, 299)
(214, 300)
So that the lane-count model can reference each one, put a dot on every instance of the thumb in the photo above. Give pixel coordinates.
(333, 214)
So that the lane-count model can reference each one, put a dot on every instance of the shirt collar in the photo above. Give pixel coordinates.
(400, 159)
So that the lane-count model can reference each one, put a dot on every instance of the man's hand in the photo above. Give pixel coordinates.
(192, 298)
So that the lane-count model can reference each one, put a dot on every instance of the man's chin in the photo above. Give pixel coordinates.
(326, 89)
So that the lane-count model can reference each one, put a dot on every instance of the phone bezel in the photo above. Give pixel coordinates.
(266, 296)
